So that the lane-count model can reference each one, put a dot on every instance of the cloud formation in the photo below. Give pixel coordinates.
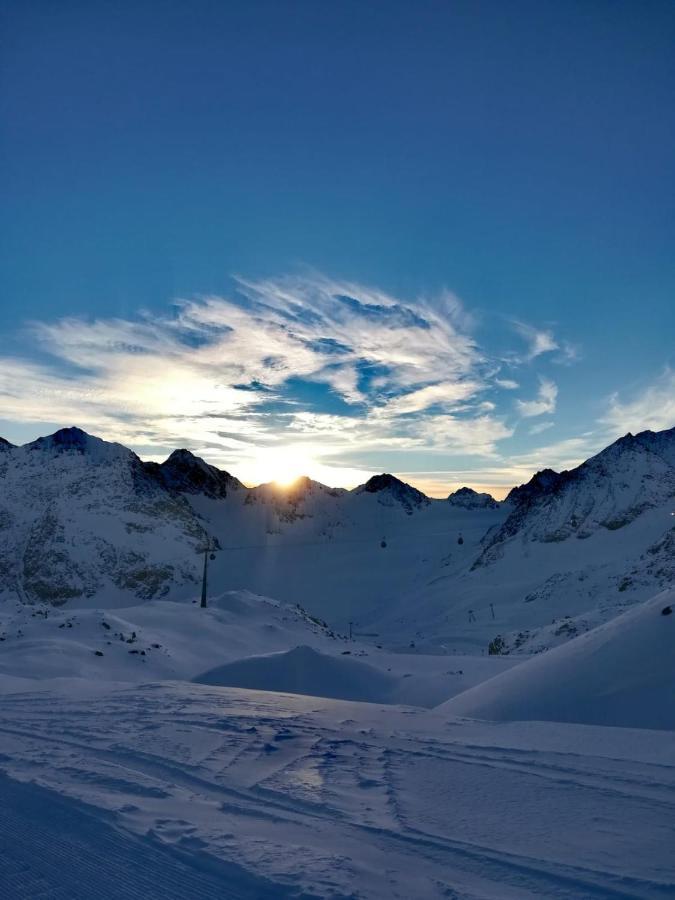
(652, 408)
(541, 427)
(538, 341)
(544, 403)
(335, 374)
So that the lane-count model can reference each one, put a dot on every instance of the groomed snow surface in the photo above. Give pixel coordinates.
(185, 791)
(621, 673)
(241, 640)
(168, 751)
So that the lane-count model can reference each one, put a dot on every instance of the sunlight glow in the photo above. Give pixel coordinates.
(284, 465)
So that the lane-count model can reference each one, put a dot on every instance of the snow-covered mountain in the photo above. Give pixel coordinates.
(84, 522)
(632, 476)
(391, 490)
(573, 550)
(470, 499)
(81, 517)
(87, 521)
(185, 473)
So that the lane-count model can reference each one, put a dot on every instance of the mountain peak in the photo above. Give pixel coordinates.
(405, 494)
(5, 445)
(190, 474)
(75, 440)
(542, 482)
(295, 492)
(303, 484)
(467, 498)
(184, 456)
(71, 438)
(662, 443)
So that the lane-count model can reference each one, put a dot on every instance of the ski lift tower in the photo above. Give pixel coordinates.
(209, 550)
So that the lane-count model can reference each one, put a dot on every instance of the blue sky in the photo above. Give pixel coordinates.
(433, 238)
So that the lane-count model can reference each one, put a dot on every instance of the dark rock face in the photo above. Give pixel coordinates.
(64, 439)
(467, 498)
(405, 494)
(541, 483)
(188, 474)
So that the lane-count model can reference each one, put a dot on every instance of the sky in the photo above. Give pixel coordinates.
(335, 239)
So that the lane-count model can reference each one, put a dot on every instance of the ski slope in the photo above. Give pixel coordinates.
(241, 639)
(621, 674)
(327, 798)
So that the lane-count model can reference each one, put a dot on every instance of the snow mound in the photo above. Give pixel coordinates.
(304, 670)
(158, 639)
(621, 673)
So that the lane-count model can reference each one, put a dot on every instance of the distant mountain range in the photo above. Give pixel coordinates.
(87, 522)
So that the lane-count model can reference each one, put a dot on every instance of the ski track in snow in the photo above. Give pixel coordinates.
(280, 795)
(61, 850)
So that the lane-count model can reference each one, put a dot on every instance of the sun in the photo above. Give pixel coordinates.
(282, 465)
(286, 480)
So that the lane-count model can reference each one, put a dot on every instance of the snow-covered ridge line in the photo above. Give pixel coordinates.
(633, 475)
(185, 471)
(81, 517)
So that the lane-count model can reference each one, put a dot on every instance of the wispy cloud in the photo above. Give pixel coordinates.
(568, 355)
(538, 340)
(333, 374)
(442, 395)
(540, 427)
(333, 366)
(542, 341)
(653, 407)
(544, 403)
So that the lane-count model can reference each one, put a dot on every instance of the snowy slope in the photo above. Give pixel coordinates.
(621, 673)
(80, 518)
(575, 550)
(240, 640)
(279, 795)
(608, 491)
(345, 556)
(154, 640)
(305, 670)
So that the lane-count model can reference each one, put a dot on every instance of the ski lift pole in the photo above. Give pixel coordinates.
(203, 602)
(208, 550)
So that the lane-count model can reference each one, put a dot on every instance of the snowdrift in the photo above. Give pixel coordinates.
(241, 640)
(621, 673)
(158, 639)
(304, 670)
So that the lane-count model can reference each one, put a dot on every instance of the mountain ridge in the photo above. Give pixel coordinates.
(559, 503)
(84, 521)
(183, 460)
